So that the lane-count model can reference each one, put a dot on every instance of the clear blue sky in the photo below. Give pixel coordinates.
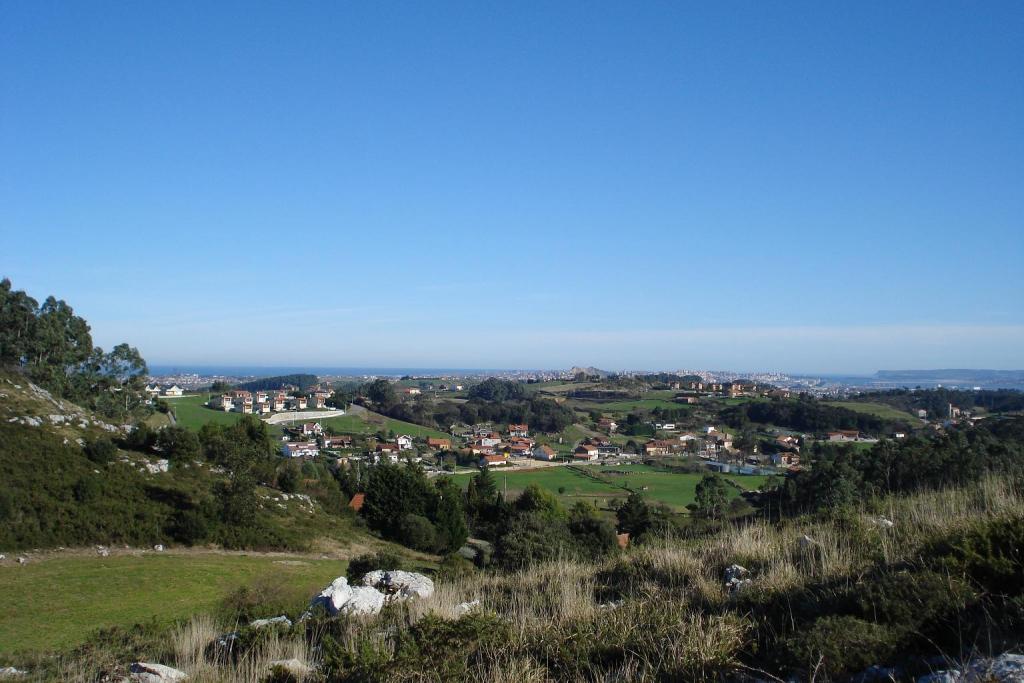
(798, 186)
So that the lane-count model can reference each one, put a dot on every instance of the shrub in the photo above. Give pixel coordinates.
(454, 567)
(101, 450)
(990, 553)
(842, 645)
(418, 533)
(359, 566)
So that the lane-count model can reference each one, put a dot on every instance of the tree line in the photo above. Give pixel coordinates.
(54, 348)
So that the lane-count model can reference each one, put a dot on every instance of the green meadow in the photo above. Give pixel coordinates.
(56, 602)
(676, 490)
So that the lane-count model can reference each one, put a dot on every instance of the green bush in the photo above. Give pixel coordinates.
(359, 566)
(842, 644)
(416, 531)
(454, 567)
(100, 451)
(991, 554)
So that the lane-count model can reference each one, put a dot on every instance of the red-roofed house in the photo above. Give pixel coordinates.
(519, 430)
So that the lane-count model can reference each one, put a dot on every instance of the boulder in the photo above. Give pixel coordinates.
(11, 672)
(1006, 668)
(364, 600)
(736, 578)
(293, 666)
(272, 621)
(806, 542)
(400, 585)
(334, 597)
(465, 608)
(885, 522)
(158, 547)
(143, 672)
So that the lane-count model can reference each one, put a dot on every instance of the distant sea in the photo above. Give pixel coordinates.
(273, 370)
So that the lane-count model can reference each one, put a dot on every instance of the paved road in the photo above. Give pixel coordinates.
(303, 415)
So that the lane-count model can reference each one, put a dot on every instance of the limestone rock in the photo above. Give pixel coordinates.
(736, 578)
(465, 608)
(400, 585)
(364, 600)
(294, 666)
(272, 621)
(144, 672)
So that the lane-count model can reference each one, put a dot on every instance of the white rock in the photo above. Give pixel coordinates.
(400, 585)
(294, 666)
(735, 578)
(885, 522)
(951, 676)
(273, 621)
(11, 672)
(158, 547)
(22, 560)
(806, 542)
(1006, 668)
(3, 557)
(103, 552)
(144, 672)
(364, 600)
(464, 608)
(334, 596)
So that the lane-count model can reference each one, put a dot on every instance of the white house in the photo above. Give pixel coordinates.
(300, 449)
(404, 442)
(174, 391)
(543, 452)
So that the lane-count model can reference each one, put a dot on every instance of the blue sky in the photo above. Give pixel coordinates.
(809, 187)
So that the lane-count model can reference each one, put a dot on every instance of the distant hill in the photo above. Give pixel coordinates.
(302, 381)
(590, 372)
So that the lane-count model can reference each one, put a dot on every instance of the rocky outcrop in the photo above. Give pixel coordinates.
(341, 598)
(736, 578)
(143, 672)
(1006, 668)
(379, 587)
(293, 666)
(400, 585)
(272, 621)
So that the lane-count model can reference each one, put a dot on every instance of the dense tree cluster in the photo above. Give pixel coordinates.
(404, 506)
(54, 347)
(301, 380)
(937, 401)
(840, 475)
(805, 415)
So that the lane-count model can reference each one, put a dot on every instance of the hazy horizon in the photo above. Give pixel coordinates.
(814, 188)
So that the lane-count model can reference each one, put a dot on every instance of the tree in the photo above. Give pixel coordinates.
(382, 393)
(288, 477)
(394, 491)
(594, 537)
(418, 533)
(634, 516)
(178, 443)
(711, 497)
(449, 516)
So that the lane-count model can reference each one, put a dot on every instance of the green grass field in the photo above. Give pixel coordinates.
(191, 411)
(674, 489)
(56, 603)
(627, 406)
(878, 409)
(371, 423)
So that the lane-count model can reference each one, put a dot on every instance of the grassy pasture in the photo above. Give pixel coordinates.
(192, 412)
(628, 406)
(674, 489)
(56, 602)
(371, 423)
(881, 410)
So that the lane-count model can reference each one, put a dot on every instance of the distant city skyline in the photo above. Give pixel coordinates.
(808, 188)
